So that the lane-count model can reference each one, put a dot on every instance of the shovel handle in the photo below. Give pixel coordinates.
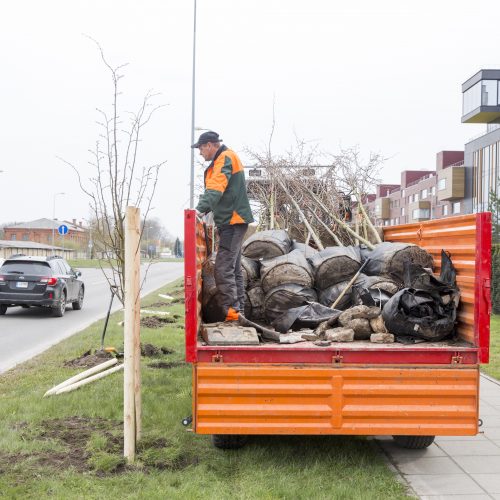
(353, 279)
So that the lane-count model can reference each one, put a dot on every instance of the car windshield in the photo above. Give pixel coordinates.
(27, 268)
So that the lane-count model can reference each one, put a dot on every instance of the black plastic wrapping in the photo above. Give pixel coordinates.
(281, 298)
(306, 316)
(429, 311)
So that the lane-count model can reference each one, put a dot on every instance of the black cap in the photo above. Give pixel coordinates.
(209, 136)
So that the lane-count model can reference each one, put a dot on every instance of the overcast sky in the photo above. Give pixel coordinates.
(383, 75)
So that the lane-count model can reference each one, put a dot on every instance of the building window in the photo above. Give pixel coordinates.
(415, 197)
(403, 193)
(456, 207)
(13, 237)
(485, 170)
(423, 194)
(386, 222)
(472, 98)
(26, 236)
(421, 213)
(397, 220)
(445, 209)
(441, 184)
(433, 191)
(489, 90)
(403, 211)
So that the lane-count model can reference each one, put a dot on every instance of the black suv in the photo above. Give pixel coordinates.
(40, 281)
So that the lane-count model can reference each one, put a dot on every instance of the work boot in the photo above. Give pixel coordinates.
(232, 316)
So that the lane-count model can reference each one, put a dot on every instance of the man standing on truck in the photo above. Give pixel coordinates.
(226, 197)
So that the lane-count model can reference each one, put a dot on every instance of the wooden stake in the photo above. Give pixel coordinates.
(306, 223)
(330, 232)
(132, 380)
(85, 381)
(271, 210)
(378, 239)
(340, 222)
(82, 375)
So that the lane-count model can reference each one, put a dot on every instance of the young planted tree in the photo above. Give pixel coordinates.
(115, 177)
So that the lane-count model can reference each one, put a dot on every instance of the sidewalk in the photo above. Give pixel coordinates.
(466, 468)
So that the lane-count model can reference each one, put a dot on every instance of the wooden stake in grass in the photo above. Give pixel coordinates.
(85, 381)
(81, 376)
(132, 355)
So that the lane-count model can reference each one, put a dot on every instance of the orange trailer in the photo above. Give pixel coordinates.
(411, 392)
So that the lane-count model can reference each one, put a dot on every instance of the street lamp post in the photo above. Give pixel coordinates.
(54, 215)
(191, 185)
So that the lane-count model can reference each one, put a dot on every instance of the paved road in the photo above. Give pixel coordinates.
(24, 333)
(457, 467)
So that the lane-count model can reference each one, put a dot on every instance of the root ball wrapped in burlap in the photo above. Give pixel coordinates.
(334, 264)
(289, 268)
(267, 244)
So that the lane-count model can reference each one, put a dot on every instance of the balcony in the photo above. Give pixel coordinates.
(481, 97)
(451, 184)
(382, 208)
(419, 211)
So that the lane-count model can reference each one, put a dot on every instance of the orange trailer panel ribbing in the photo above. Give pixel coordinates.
(298, 399)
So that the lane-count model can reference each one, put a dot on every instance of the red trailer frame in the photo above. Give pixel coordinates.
(467, 238)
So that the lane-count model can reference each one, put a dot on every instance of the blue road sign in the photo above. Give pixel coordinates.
(62, 229)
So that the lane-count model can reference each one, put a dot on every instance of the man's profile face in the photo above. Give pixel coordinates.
(208, 151)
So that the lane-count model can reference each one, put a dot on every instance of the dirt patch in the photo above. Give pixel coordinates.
(150, 350)
(177, 301)
(158, 304)
(166, 365)
(156, 321)
(74, 434)
(89, 359)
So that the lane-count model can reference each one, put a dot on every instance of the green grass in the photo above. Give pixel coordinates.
(69, 446)
(83, 263)
(493, 368)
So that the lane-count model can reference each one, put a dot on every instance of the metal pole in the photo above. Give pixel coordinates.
(191, 186)
(54, 215)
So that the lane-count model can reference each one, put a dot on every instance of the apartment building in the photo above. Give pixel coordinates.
(481, 104)
(423, 194)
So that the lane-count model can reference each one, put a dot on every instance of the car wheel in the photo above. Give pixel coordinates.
(78, 304)
(229, 441)
(414, 442)
(60, 309)
(3, 309)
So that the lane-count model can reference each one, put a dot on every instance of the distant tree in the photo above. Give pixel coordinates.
(154, 233)
(494, 208)
(178, 251)
(495, 278)
(116, 178)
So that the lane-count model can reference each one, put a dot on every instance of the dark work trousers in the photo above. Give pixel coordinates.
(228, 277)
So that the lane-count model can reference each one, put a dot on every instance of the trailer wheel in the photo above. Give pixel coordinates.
(414, 442)
(229, 441)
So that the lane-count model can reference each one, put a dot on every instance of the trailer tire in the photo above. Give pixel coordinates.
(229, 441)
(414, 442)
